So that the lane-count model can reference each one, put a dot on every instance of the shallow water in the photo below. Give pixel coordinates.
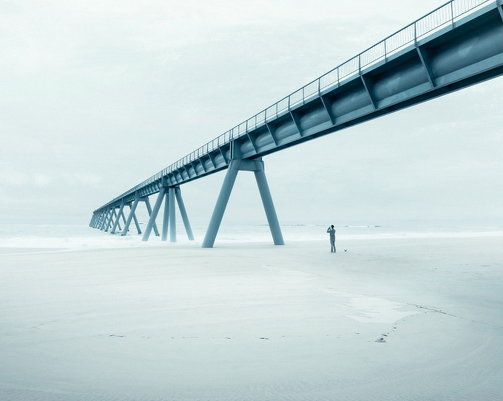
(76, 237)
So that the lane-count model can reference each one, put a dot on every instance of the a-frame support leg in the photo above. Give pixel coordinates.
(130, 216)
(223, 198)
(270, 211)
(136, 224)
(153, 214)
(123, 217)
(257, 166)
(105, 219)
(110, 221)
(165, 222)
(117, 220)
(172, 217)
(169, 221)
(149, 209)
(183, 212)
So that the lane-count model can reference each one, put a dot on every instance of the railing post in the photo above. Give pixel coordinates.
(452, 14)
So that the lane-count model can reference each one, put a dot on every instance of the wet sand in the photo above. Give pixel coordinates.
(394, 319)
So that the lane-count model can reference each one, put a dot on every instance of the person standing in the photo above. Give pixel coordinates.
(331, 231)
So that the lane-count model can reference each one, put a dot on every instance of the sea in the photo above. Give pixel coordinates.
(50, 237)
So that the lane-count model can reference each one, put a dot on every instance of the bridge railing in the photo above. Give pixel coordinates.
(445, 15)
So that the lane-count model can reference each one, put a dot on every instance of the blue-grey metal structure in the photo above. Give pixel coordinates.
(456, 45)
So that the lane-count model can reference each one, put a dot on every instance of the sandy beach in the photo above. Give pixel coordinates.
(393, 319)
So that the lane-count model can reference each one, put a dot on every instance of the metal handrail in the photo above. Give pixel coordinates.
(442, 16)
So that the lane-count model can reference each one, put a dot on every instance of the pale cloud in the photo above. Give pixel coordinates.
(83, 179)
(44, 180)
(13, 179)
(41, 180)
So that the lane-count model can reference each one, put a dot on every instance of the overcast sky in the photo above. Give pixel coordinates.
(98, 95)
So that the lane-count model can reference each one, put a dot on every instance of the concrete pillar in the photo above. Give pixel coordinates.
(165, 223)
(132, 210)
(257, 166)
(117, 220)
(223, 199)
(172, 217)
(270, 211)
(153, 214)
(149, 209)
(136, 224)
(183, 212)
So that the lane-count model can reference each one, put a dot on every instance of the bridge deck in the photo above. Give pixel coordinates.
(456, 45)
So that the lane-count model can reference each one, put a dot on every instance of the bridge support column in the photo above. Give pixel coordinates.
(136, 224)
(110, 221)
(165, 222)
(130, 217)
(149, 209)
(270, 211)
(116, 224)
(183, 212)
(102, 220)
(223, 198)
(172, 216)
(153, 214)
(123, 217)
(174, 196)
(106, 216)
(93, 218)
(257, 166)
